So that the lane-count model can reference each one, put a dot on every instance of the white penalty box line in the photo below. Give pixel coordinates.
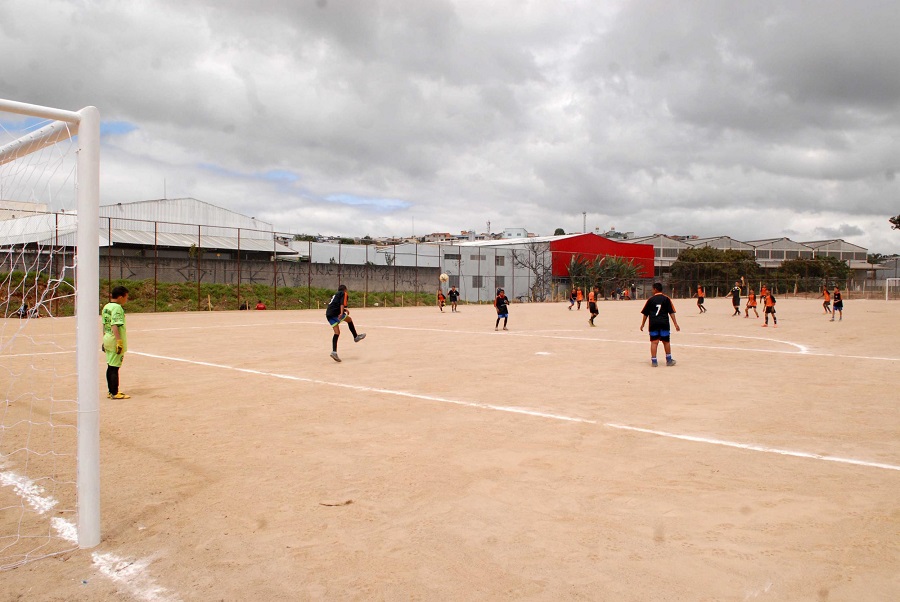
(531, 412)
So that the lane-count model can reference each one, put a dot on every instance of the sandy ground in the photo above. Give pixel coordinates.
(444, 461)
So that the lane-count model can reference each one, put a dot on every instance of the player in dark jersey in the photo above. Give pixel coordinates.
(658, 308)
(453, 295)
(736, 299)
(502, 304)
(838, 304)
(337, 312)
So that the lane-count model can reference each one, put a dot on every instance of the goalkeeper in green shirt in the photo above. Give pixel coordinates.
(115, 340)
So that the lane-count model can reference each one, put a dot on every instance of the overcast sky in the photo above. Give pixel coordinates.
(387, 117)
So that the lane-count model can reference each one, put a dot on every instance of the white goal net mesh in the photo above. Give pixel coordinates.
(892, 289)
(38, 408)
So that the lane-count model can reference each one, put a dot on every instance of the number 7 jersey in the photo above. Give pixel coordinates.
(657, 308)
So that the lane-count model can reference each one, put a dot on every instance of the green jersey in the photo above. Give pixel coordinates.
(113, 314)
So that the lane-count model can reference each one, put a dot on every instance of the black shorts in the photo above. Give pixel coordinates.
(592, 307)
(770, 309)
(699, 300)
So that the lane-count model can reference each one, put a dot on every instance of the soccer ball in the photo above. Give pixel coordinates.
(376, 305)
(444, 278)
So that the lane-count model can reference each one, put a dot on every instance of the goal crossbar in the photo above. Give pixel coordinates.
(58, 131)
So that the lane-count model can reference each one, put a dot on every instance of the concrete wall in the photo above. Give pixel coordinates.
(372, 278)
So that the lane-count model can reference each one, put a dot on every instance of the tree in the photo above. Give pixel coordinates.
(537, 260)
(811, 274)
(895, 222)
(607, 272)
(712, 268)
(559, 232)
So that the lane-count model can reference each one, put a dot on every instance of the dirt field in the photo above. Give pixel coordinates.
(442, 460)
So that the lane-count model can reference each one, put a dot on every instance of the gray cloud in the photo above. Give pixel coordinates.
(840, 232)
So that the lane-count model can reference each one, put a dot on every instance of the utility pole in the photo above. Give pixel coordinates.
(584, 222)
(489, 232)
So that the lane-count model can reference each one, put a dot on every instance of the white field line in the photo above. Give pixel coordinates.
(751, 447)
(129, 574)
(530, 412)
(800, 349)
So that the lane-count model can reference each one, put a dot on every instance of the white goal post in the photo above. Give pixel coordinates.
(86, 125)
(888, 283)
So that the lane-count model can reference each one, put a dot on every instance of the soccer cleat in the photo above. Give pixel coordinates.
(505, 328)
(670, 362)
(763, 325)
(360, 337)
(118, 395)
(335, 357)
(654, 363)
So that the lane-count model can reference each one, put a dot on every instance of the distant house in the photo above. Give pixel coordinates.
(722, 243)
(665, 250)
(478, 268)
(854, 255)
(514, 233)
(772, 252)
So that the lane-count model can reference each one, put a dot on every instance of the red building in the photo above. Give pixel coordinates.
(591, 246)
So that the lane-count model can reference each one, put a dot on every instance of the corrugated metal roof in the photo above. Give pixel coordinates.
(168, 239)
(171, 213)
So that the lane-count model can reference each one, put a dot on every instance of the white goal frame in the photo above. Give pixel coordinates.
(86, 124)
(887, 286)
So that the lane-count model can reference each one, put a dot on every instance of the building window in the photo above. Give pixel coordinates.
(499, 281)
(791, 254)
(499, 260)
(453, 256)
(762, 254)
(454, 280)
(477, 257)
(477, 281)
(673, 252)
(777, 254)
(806, 254)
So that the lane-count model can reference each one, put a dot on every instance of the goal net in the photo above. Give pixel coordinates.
(891, 289)
(49, 438)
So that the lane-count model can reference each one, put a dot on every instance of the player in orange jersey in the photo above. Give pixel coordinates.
(769, 302)
(592, 305)
(701, 295)
(751, 304)
(827, 300)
